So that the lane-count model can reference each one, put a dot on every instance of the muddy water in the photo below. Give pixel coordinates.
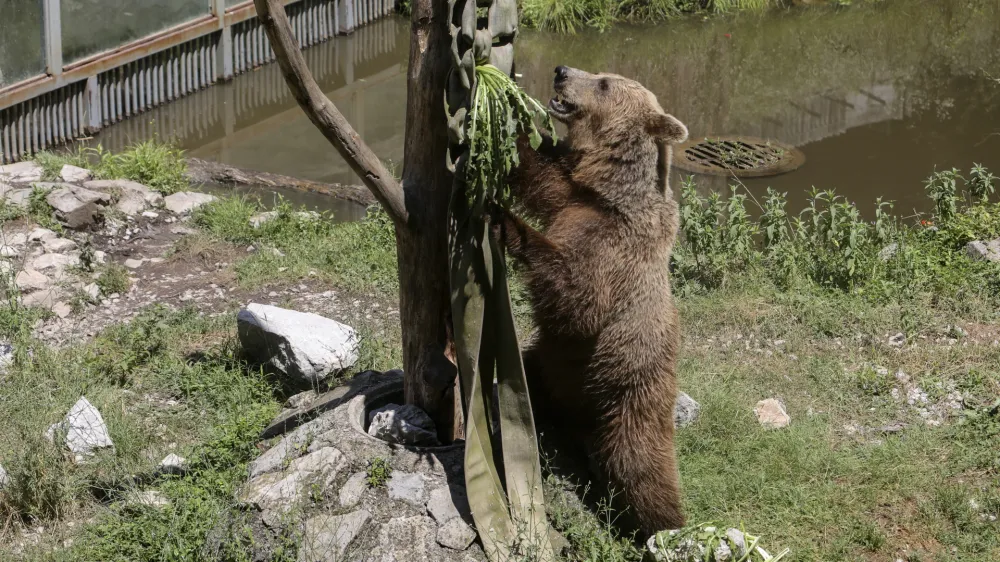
(876, 97)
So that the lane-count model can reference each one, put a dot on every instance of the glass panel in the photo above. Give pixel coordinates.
(22, 49)
(92, 26)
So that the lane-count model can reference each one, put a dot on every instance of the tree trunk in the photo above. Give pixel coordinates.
(418, 207)
(423, 244)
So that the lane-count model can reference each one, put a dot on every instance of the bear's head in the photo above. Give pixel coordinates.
(611, 107)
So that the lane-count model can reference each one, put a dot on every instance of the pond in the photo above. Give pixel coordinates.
(876, 96)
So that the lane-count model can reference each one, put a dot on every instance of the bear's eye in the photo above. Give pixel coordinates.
(603, 85)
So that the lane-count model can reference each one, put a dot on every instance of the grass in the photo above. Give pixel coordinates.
(563, 16)
(157, 165)
(114, 278)
(378, 473)
(832, 486)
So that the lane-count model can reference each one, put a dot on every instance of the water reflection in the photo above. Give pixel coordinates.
(876, 96)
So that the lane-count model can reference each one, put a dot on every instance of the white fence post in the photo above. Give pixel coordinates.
(53, 37)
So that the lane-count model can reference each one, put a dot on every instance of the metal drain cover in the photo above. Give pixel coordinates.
(744, 157)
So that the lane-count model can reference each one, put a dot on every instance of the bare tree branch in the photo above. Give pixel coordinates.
(325, 115)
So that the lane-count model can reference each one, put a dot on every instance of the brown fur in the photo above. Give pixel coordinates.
(603, 361)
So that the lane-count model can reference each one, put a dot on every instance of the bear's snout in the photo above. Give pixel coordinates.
(562, 73)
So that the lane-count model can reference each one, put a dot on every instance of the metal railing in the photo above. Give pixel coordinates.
(77, 99)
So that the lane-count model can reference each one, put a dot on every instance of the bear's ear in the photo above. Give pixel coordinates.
(667, 127)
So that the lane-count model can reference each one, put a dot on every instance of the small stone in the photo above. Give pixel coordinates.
(149, 498)
(74, 174)
(93, 292)
(59, 245)
(45, 298)
(41, 235)
(150, 214)
(301, 400)
(30, 280)
(455, 534)
(9, 252)
(173, 464)
(448, 502)
(62, 310)
(16, 239)
(260, 219)
(407, 425)
(353, 489)
(888, 252)
(897, 340)
(686, 410)
(737, 541)
(85, 429)
(133, 263)
(771, 414)
(100, 257)
(327, 537)
(55, 262)
(407, 487)
(4, 478)
(187, 201)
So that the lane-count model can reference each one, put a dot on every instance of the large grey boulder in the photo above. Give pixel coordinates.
(276, 493)
(20, 198)
(84, 430)
(30, 280)
(406, 425)
(76, 207)
(984, 251)
(187, 201)
(327, 537)
(307, 348)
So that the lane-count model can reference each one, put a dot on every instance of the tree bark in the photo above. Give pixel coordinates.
(423, 246)
(418, 206)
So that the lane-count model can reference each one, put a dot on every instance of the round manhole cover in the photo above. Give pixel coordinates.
(744, 157)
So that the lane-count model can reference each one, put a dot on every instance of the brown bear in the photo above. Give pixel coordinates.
(603, 360)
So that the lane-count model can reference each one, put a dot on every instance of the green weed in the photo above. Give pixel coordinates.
(114, 278)
(378, 472)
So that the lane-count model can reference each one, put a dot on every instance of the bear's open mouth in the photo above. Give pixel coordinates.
(560, 107)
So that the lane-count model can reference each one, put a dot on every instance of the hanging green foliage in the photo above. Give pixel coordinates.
(501, 111)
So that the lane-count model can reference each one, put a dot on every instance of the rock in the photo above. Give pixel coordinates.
(76, 207)
(280, 491)
(448, 502)
(4, 479)
(897, 340)
(45, 298)
(686, 410)
(9, 252)
(407, 486)
(16, 239)
(301, 400)
(100, 257)
(6, 270)
(984, 251)
(407, 539)
(291, 446)
(30, 280)
(55, 262)
(59, 245)
(149, 498)
(353, 489)
(20, 198)
(771, 414)
(85, 430)
(408, 425)
(6, 355)
(187, 201)
(150, 215)
(92, 291)
(259, 219)
(173, 464)
(131, 203)
(308, 348)
(327, 537)
(75, 174)
(42, 235)
(456, 534)
(21, 172)
(133, 264)
(888, 252)
(62, 310)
